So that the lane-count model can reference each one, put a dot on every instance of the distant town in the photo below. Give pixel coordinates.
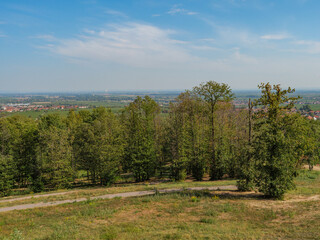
(24, 107)
(308, 105)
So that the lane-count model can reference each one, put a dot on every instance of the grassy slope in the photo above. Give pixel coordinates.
(188, 215)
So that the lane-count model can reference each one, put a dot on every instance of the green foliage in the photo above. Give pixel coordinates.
(98, 146)
(187, 137)
(24, 147)
(140, 151)
(311, 141)
(16, 235)
(178, 170)
(55, 152)
(214, 94)
(7, 170)
(306, 108)
(277, 145)
(202, 133)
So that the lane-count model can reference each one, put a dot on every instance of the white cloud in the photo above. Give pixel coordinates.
(116, 13)
(131, 44)
(47, 37)
(212, 40)
(2, 35)
(229, 35)
(280, 36)
(312, 47)
(176, 10)
(146, 46)
(205, 48)
(244, 58)
(89, 31)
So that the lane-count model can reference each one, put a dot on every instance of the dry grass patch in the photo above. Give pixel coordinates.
(185, 215)
(167, 216)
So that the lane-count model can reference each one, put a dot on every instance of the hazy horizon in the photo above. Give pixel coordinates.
(146, 91)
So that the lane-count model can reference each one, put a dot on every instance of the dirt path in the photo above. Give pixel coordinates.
(109, 196)
(34, 196)
(278, 204)
(315, 167)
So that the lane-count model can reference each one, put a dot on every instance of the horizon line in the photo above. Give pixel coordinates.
(132, 91)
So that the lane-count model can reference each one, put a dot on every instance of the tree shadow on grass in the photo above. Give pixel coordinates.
(219, 194)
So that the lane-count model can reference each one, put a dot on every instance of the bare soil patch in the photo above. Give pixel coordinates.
(315, 167)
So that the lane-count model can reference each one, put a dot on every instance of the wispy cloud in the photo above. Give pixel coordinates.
(2, 22)
(230, 35)
(132, 44)
(177, 10)
(116, 13)
(2, 35)
(89, 31)
(280, 36)
(212, 40)
(147, 46)
(23, 8)
(47, 37)
(312, 47)
(205, 48)
(243, 57)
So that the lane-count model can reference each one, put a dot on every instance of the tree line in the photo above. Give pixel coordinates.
(262, 146)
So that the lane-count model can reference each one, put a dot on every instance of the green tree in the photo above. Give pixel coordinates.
(55, 151)
(98, 146)
(140, 151)
(311, 141)
(110, 148)
(277, 146)
(306, 108)
(231, 139)
(178, 138)
(213, 94)
(7, 172)
(188, 127)
(24, 151)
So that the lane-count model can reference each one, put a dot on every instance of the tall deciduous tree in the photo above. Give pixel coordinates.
(98, 146)
(7, 172)
(55, 151)
(140, 151)
(187, 136)
(25, 144)
(214, 93)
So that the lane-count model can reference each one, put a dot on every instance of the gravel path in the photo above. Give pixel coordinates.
(34, 196)
(109, 196)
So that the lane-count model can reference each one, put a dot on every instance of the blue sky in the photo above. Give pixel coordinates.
(95, 45)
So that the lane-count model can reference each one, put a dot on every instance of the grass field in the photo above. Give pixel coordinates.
(314, 107)
(186, 215)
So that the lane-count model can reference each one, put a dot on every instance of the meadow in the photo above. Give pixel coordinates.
(185, 215)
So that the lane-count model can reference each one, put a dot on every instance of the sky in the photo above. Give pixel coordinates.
(113, 45)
